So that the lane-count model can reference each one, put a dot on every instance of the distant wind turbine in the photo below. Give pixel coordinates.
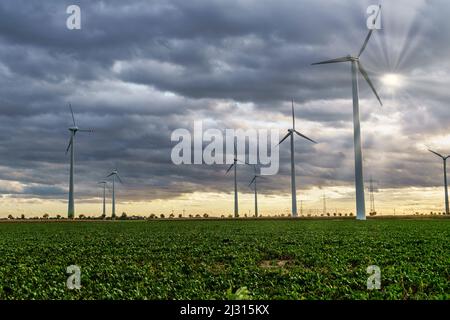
(355, 66)
(114, 174)
(73, 130)
(291, 134)
(256, 191)
(444, 159)
(104, 197)
(234, 165)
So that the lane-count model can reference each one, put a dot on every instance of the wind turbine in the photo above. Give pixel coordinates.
(234, 165)
(291, 134)
(104, 197)
(444, 159)
(73, 131)
(114, 174)
(256, 191)
(355, 66)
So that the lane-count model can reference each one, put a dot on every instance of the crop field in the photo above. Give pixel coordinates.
(216, 259)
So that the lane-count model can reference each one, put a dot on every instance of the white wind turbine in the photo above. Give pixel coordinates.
(291, 134)
(234, 165)
(104, 197)
(114, 174)
(444, 159)
(256, 191)
(73, 130)
(355, 66)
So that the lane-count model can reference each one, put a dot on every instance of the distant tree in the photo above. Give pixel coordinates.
(230, 216)
(197, 215)
(123, 216)
(328, 214)
(162, 216)
(340, 214)
(81, 216)
(10, 217)
(58, 216)
(22, 216)
(351, 214)
(345, 214)
(334, 214)
(171, 216)
(190, 216)
(180, 216)
(222, 216)
(45, 216)
(205, 215)
(373, 213)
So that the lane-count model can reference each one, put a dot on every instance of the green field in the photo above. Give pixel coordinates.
(286, 259)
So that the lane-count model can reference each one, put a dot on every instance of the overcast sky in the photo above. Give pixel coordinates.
(137, 70)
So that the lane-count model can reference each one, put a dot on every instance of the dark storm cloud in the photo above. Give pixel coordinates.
(138, 70)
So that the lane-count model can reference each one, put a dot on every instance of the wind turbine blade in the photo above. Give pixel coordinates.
(285, 137)
(365, 43)
(438, 154)
(305, 137)
(73, 117)
(254, 178)
(85, 130)
(343, 59)
(369, 34)
(70, 143)
(229, 168)
(293, 115)
(118, 177)
(243, 162)
(111, 174)
(366, 76)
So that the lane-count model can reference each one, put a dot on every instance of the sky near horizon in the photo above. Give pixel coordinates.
(138, 70)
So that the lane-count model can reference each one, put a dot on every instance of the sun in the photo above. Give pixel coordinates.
(392, 80)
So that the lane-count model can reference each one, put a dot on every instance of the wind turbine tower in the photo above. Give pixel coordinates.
(104, 197)
(372, 196)
(355, 67)
(114, 174)
(256, 191)
(234, 165)
(73, 131)
(291, 135)
(444, 160)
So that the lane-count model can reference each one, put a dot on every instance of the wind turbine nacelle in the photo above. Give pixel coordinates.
(73, 129)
